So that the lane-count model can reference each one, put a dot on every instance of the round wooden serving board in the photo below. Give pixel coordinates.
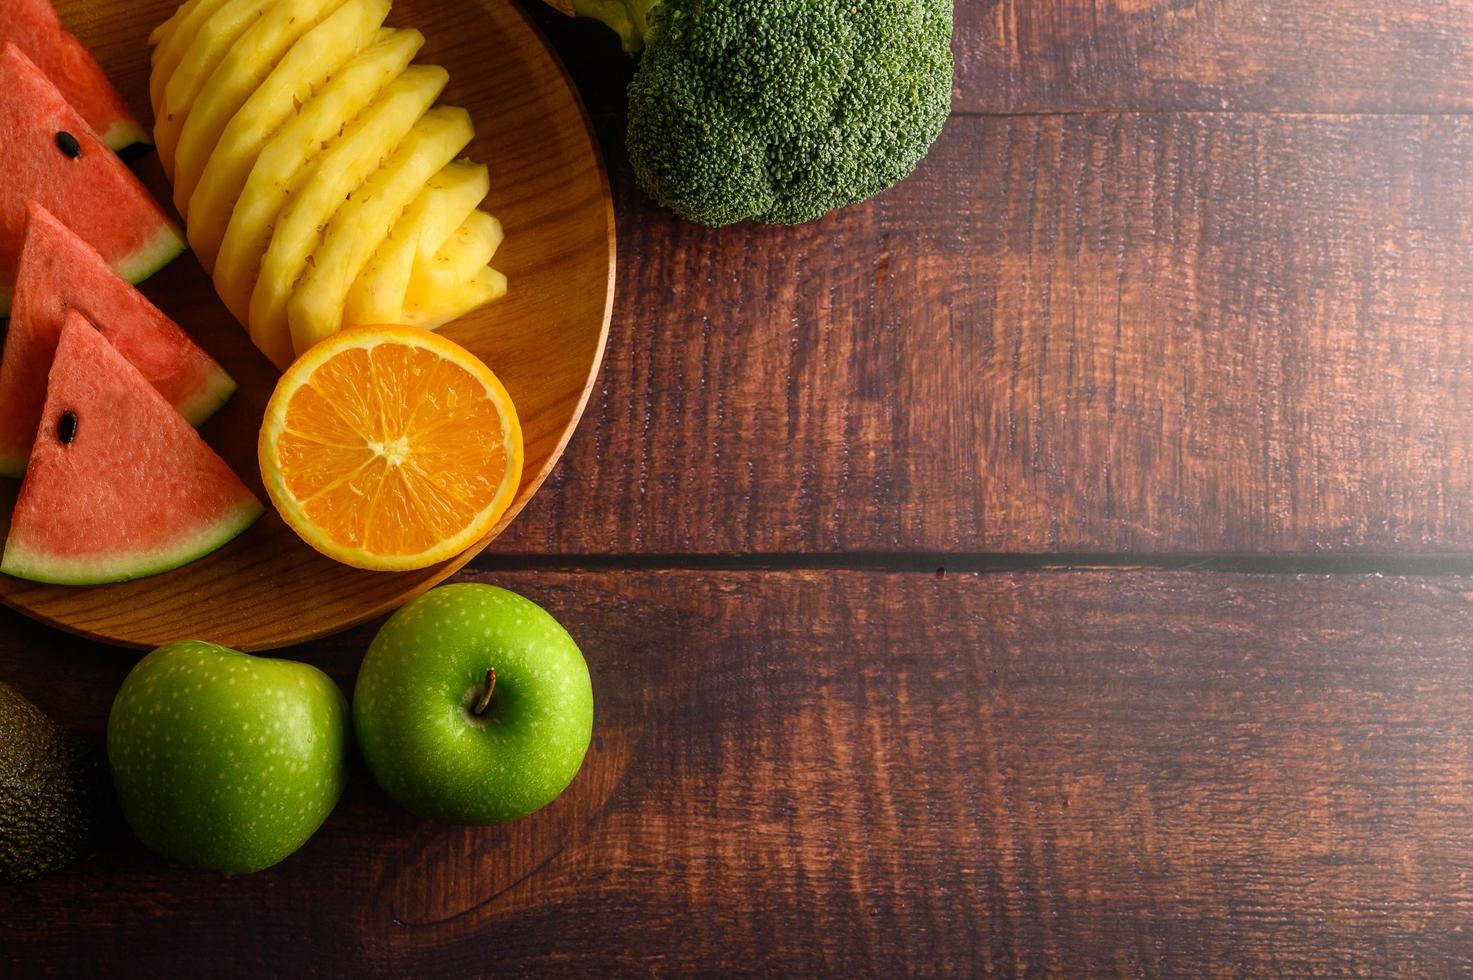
(545, 340)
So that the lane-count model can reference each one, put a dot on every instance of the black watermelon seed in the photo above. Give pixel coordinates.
(67, 143)
(66, 428)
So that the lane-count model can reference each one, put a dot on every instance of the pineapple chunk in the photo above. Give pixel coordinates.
(486, 286)
(240, 73)
(171, 41)
(161, 33)
(284, 162)
(205, 52)
(377, 295)
(312, 61)
(464, 186)
(467, 251)
(315, 310)
(448, 198)
(335, 174)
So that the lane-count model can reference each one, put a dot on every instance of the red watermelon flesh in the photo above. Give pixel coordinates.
(32, 25)
(91, 191)
(60, 272)
(119, 485)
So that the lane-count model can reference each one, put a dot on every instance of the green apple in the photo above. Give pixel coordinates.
(223, 760)
(473, 706)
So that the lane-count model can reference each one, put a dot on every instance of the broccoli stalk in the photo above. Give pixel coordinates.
(780, 111)
(630, 19)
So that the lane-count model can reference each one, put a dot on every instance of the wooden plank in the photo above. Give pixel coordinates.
(1274, 55)
(1153, 333)
(1025, 56)
(1133, 773)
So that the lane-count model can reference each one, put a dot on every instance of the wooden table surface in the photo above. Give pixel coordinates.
(1062, 563)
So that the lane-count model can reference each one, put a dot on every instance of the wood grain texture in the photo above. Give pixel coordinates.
(1260, 55)
(1116, 332)
(1052, 56)
(544, 340)
(1138, 774)
(1099, 333)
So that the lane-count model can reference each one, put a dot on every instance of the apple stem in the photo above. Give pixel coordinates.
(485, 701)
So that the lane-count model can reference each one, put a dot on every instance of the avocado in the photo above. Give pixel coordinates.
(50, 791)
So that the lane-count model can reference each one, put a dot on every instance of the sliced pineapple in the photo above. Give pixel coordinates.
(377, 295)
(463, 186)
(283, 163)
(161, 33)
(315, 310)
(317, 180)
(171, 41)
(472, 246)
(206, 50)
(320, 53)
(335, 174)
(240, 73)
(487, 286)
(448, 198)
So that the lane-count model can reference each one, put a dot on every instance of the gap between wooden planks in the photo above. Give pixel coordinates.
(942, 563)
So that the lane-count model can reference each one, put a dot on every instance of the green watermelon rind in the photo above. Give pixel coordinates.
(211, 397)
(165, 246)
(94, 570)
(125, 134)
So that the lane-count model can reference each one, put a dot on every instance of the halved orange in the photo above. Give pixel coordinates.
(390, 448)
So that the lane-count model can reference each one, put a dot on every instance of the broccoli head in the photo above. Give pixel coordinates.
(780, 111)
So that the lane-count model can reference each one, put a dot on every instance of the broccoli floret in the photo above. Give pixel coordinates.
(780, 111)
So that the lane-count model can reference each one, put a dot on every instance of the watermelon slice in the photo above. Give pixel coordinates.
(32, 25)
(59, 272)
(119, 486)
(49, 154)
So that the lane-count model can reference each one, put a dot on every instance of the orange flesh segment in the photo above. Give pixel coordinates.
(392, 449)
